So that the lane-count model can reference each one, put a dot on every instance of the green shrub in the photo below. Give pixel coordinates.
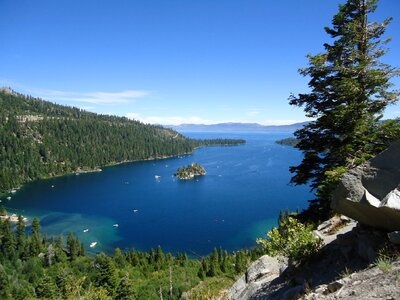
(384, 264)
(293, 240)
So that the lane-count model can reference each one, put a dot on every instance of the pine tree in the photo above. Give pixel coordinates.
(119, 258)
(350, 88)
(72, 246)
(106, 273)
(240, 262)
(159, 258)
(7, 241)
(36, 240)
(214, 265)
(224, 263)
(20, 234)
(46, 288)
(125, 289)
(202, 270)
(4, 284)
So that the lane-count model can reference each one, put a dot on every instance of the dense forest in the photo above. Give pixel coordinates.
(34, 266)
(39, 139)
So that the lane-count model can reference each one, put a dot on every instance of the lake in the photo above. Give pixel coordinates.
(237, 201)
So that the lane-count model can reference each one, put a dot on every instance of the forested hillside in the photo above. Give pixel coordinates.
(39, 139)
(35, 267)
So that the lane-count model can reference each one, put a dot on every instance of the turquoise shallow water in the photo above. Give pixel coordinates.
(236, 202)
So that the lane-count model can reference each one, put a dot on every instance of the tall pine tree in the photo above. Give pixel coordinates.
(350, 88)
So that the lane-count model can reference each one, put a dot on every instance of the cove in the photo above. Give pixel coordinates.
(237, 201)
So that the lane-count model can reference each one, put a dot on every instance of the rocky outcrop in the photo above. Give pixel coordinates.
(258, 275)
(343, 268)
(370, 193)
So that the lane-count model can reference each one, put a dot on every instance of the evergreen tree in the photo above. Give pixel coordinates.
(82, 251)
(202, 270)
(350, 88)
(119, 258)
(106, 273)
(72, 246)
(46, 288)
(60, 254)
(4, 284)
(7, 239)
(20, 234)
(224, 263)
(36, 240)
(159, 258)
(240, 262)
(214, 265)
(125, 289)
(63, 282)
(152, 256)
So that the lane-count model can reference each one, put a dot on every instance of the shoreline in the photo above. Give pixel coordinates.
(96, 169)
(13, 218)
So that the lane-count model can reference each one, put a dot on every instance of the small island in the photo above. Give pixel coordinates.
(190, 171)
(291, 141)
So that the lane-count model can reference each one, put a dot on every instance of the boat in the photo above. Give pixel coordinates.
(135, 210)
(157, 177)
(85, 230)
(13, 191)
(8, 198)
(93, 244)
(52, 186)
(115, 225)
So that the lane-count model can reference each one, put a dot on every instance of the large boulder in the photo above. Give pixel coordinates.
(370, 193)
(258, 274)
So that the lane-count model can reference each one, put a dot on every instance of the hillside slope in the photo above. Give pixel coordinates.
(39, 139)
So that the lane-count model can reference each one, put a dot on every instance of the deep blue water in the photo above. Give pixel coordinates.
(237, 201)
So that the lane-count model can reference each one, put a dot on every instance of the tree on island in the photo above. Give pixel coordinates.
(190, 171)
(350, 88)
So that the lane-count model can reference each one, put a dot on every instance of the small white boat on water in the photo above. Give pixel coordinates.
(115, 225)
(157, 177)
(13, 191)
(135, 210)
(93, 244)
(85, 230)
(8, 198)
(52, 186)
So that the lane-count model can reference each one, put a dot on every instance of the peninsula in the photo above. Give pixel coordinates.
(190, 171)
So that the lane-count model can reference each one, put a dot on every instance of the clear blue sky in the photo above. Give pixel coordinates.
(171, 61)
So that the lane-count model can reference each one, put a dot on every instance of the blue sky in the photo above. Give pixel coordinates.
(171, 61)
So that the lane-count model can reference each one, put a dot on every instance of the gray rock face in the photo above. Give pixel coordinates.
(259, 273)
(370, 193)
(264, 266)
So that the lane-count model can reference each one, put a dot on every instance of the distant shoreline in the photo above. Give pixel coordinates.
(94, 170)
(100, 168)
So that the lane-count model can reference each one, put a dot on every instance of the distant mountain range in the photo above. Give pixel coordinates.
(236, 127)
